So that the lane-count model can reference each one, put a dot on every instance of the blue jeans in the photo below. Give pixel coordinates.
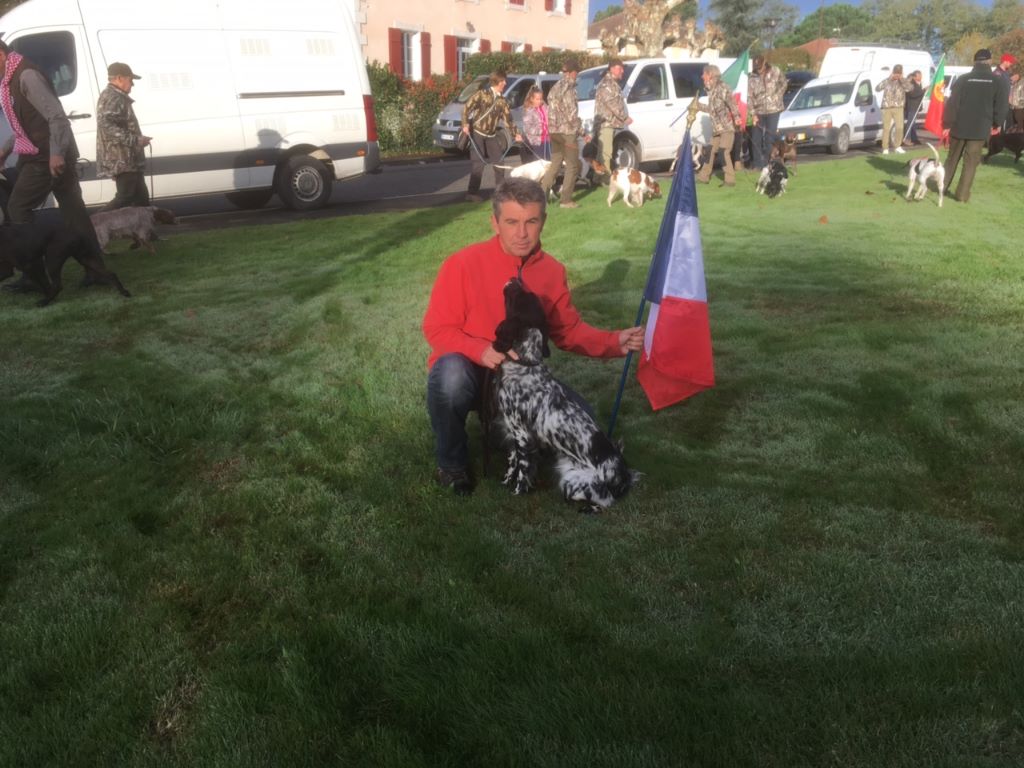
(762, 136)
(454, 386)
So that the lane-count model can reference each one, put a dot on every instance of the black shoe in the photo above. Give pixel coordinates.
(457, 479)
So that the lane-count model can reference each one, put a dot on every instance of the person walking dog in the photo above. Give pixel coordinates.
(120, 145)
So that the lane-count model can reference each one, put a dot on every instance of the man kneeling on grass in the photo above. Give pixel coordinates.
(467, 304)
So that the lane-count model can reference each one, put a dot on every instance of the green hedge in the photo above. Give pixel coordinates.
(536, 61)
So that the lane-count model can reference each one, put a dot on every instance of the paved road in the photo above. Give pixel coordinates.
(399, 186)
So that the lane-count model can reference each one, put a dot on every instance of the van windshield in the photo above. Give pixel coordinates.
(818, 96)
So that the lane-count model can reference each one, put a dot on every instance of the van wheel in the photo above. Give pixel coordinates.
(842, 142)
(249, 199)
(627, 154)
(303, 183)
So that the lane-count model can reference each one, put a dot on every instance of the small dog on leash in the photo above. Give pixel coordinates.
(773, 179)
(1011, 142)
(134, 223)
(538, 413)
(634, 186)
(922, 169)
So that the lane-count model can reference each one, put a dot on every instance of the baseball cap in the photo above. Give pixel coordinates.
(983, 55)
(119, 69)
(1008, 58)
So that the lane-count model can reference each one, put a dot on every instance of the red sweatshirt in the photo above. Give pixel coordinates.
(468, 302)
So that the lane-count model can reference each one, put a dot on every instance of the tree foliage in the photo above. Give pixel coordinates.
(738, 20)
(842, 21)
(611, 10)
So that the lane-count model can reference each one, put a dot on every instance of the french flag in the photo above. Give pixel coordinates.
(677, 361)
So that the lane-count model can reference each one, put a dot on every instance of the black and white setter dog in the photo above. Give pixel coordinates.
(538, 413)
(773, 178)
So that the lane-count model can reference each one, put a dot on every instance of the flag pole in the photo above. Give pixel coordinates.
(625, 371)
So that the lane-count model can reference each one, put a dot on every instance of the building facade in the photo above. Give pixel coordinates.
(416, 39)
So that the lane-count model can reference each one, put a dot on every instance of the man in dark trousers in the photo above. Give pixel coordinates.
(975, 109)
(119, 141)
(42, 138)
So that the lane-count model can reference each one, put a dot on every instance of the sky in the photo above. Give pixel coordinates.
(804, 6)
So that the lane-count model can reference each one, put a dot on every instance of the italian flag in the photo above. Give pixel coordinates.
(736, 78)
(933, 119)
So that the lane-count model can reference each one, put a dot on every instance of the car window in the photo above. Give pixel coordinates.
(54, 54)
(650, 85)
(863, 94)
(516, 94)
(819, 96)
(686, 78)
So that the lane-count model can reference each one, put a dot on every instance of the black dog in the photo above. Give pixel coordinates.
(1011, 142)
(773, 178)
(40, 249)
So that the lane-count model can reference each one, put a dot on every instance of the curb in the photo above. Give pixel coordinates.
(421, 159)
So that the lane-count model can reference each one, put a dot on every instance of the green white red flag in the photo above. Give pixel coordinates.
(736, 78)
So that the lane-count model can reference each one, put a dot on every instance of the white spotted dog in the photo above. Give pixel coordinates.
(534, 170)
(773, 179)
(539, 413)
(634, 186)
(922, 169)
(696, 155)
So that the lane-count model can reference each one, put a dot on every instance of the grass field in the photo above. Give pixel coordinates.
(220, 544)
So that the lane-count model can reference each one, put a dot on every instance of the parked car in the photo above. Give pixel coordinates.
(265, 100)
(795, 80)
(836, 112)
(658, 93)
(449, 121)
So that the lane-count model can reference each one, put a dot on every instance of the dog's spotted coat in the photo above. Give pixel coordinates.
(537, 413)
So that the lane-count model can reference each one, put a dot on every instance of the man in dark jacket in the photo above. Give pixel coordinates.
(975, 109)
(913, 105)
(42, 138)
(119, 140)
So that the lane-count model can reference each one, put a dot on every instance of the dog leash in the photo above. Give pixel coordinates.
(151, 185)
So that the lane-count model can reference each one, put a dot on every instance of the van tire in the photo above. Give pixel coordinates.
(250, 199)
(842, 142)
(628, 151)
(303, 183)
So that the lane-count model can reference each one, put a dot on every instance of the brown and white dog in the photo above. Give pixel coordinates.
(784, 150)
(136, 223)
(634, 186)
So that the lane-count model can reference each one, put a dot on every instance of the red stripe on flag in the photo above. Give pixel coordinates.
(680, 363)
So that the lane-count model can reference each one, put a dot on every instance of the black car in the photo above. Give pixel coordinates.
(795, 80)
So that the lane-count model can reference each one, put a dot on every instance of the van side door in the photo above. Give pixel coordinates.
(61, 53)
(866, 113)
(651, 104)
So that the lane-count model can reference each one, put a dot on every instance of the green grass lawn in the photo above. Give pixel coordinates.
(220, 544)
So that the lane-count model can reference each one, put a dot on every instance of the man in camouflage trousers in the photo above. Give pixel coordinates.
(894, 95)
(482, 119)
(120, 145)
(564, 128)
(765, 87)
(610, 113)
(725, 118)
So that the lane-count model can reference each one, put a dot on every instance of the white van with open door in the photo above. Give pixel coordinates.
(244, 97)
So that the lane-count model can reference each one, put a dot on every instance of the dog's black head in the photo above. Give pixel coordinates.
(164, 216)
(523, 311)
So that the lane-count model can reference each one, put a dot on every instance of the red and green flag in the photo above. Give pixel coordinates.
(933, 119)
(736, 78)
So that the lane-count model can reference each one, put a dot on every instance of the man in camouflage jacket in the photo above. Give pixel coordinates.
(610, 113)
(483, 117)
(725, 117)
(564, 128)
(765, 87)
(119, 141)
(894, 95)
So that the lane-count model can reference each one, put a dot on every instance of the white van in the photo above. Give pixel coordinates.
(246, 97)
(658, 93)
(863, 58)
(836, 112)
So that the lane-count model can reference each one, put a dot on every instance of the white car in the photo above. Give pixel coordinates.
(658, 93)
(836, 112)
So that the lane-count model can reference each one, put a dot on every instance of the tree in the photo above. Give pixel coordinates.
(738, 21)
(930, 24)
(1006, 15)
(611, 10)
(775, 20)
(842, 21)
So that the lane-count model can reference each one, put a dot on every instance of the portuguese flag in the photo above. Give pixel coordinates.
(933, 120)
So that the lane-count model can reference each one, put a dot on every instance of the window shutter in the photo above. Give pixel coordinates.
(425, 53)
(451, 61)
(549, 5)
(485, 46)
(568, 7)
(506, 47)
(527, 48)
(395, 51)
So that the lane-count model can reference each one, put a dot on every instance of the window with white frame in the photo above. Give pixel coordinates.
(409, 57)
(465, 47)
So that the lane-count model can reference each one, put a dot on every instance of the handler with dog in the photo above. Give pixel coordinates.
(119, 140)
(467, 304)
